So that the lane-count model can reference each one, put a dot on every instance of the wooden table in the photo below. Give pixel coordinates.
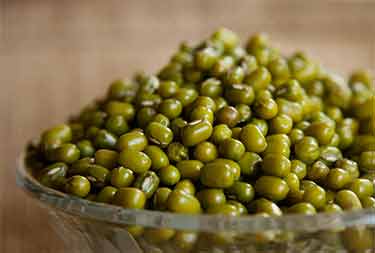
(56, 56)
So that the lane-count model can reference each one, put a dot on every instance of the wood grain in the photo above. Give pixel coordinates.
(56, 56)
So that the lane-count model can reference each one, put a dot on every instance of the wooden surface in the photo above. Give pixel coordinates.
(55, 56)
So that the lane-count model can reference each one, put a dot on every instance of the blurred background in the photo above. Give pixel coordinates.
(56, 56)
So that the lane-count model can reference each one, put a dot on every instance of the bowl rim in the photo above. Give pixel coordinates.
(115, 215)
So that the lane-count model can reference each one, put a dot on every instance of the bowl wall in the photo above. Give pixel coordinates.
(86, 235)
(87, 226)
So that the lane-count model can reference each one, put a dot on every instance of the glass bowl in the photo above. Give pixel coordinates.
(87, 226)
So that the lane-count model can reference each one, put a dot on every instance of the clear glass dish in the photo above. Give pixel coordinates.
(87, 226)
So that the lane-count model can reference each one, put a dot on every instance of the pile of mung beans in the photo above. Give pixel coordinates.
(221, 129)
